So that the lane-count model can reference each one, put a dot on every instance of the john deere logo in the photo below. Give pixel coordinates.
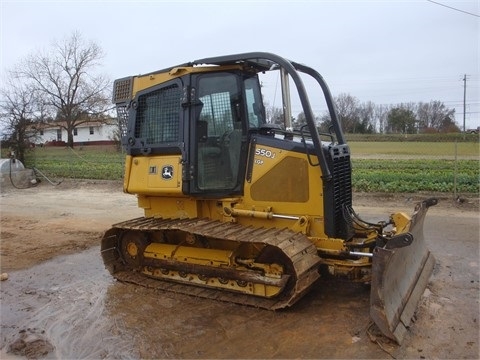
(167, 172)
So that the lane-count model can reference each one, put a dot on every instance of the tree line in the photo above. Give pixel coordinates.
(368, 118)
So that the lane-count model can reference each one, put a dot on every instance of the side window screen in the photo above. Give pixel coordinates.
(158, 115)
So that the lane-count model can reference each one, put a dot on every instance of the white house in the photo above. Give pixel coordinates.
(90, 133)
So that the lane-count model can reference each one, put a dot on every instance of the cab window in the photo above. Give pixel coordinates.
(158, 115)
(219, 132)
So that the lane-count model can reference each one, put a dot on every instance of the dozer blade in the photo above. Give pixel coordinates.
(400, 274)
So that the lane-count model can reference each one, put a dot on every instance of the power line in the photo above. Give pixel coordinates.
(452, 8)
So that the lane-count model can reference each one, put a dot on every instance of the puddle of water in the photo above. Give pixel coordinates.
(73, 303)
(62, 301)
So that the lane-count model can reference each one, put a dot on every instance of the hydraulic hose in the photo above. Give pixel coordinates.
(11, 179)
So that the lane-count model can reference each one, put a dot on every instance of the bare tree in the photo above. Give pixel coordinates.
(367, 118)
(66, 80)
(300, 120)
(380, 113)
(434, 115)
(324, 122)
(19, 110)
(274, 115)
(348, 111)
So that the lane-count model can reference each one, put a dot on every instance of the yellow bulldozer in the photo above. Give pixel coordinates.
(240, 209)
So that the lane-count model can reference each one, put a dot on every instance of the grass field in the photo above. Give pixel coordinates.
(439, 150)
(377, 166)
(88, 162)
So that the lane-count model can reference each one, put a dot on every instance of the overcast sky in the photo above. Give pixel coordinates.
(386, 52)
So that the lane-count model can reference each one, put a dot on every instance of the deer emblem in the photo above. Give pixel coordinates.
(167, 172)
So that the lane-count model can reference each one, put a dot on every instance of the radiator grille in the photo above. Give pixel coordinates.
(122, 90)
(341, 191)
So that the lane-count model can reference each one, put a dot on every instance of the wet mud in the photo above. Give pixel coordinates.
(69, 307)
(79, 311)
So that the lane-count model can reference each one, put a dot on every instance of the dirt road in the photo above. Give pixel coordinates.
(69, 306)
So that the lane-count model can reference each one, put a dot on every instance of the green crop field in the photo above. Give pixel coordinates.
(415, 175)
(388, 166)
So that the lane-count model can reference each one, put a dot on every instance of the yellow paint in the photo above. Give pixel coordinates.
(192, 255)
(143, 175)
(401, 221)
(248, 288)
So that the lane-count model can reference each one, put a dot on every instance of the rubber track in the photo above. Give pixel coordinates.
(296, 246)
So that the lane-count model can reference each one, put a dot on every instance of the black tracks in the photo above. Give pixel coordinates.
(295, 246)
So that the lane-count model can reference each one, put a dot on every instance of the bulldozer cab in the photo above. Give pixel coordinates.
(209, 129)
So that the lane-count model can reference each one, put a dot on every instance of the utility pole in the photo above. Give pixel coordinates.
(464, 101)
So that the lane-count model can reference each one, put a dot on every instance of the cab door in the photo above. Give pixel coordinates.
(218, 148)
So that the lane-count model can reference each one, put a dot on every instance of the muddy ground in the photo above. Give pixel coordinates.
(60, 302)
